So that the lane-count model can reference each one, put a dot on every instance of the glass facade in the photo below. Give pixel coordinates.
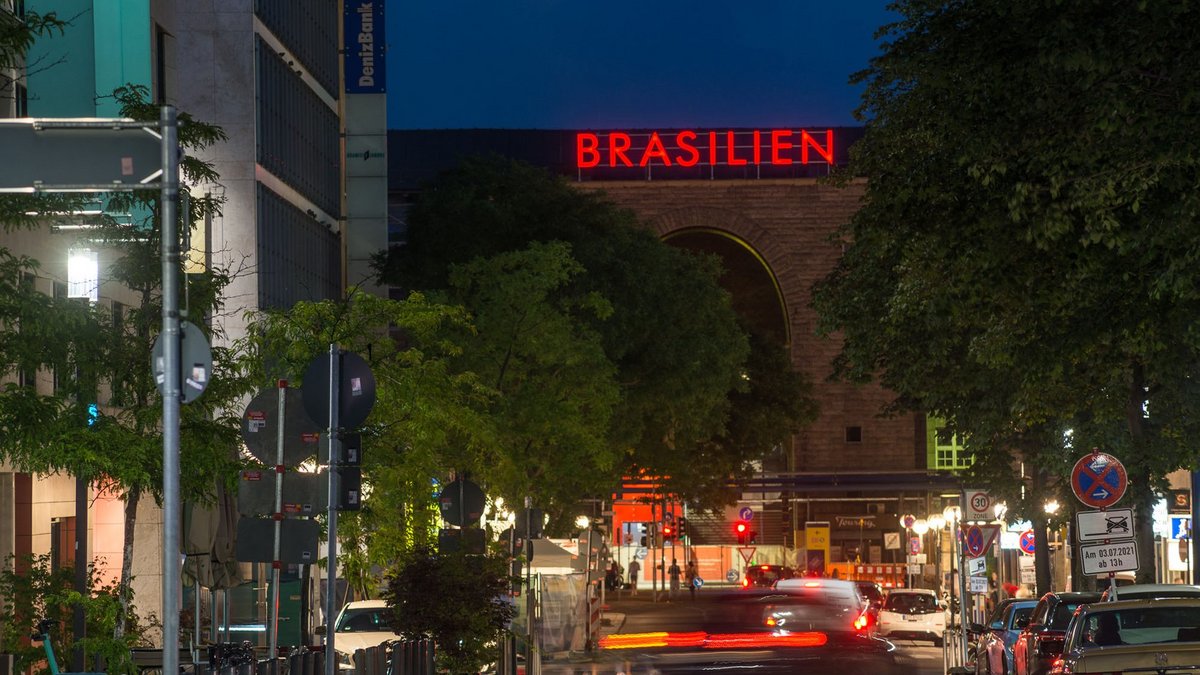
(298, 257)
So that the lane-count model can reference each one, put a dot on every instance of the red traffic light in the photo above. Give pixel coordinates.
(741, 527)
(668, 530)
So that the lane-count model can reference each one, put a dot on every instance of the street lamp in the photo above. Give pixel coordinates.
(936, 522)
(1051, 507)
(952, 514)
(920, 527)
(582, 522)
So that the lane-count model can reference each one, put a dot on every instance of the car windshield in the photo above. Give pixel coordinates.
(1062, 615)
(911, 603)
(1020, 613)
(1141, 626)
(367, 620)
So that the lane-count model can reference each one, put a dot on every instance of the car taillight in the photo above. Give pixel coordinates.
(862, 622)
(745, 582)
(771, 621)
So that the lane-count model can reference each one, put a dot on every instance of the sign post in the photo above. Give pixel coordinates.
(1099, 480)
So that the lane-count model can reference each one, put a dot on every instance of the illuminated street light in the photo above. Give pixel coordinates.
(1051, 507)
(582, 522)
(952, 514)
(920, 527)
(1000, 509)
(936, 521)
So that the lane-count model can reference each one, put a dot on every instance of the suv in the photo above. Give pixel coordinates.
(1041, 638)
(1151, 592)
(912, 614)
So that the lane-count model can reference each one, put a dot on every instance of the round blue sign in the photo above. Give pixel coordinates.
(746, 513)
(697, 582)
(732, 576)
(1099, 480)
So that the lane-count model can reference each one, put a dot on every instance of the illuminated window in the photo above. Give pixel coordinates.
(946, 450)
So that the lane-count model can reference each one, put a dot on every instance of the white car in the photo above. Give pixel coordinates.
(361, 624)
(912, 614)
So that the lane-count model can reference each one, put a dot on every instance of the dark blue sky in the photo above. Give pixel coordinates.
(569, 64)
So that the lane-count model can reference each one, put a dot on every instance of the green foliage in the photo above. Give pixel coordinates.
(669, 330)
(1024, 260)
(39, 592)
(459, 601)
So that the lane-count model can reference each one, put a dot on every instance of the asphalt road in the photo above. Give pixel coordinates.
(681, 615)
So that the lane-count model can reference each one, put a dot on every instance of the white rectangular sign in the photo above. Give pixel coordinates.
(979, 585)
(914, 570)
(980, 506)
(891, 540)
(1101, 525)
(1120, 556)
(976, 567)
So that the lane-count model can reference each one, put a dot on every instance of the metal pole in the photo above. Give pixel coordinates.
(171, 391)
(962, 580)
(273, 638)
(331, 661)
(528, 583)
(78, 621)
(1195, 499)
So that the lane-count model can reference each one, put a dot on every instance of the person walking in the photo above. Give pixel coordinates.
(673, 574)
(634, 568)
(690, 576)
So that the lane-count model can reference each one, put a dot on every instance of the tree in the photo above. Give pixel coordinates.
(679, 352)
(466, 615)
(119, 443)
(1022, 264)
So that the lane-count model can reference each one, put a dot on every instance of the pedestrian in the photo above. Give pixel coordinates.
(634, 568)
(673, 574)
(610, 577)
(691, 576)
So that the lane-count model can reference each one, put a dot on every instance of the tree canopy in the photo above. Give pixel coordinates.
(1023, 264)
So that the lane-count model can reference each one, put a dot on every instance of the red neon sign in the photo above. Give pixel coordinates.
(686, 148)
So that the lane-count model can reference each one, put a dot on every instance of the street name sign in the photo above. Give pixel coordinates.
(1099, 480)
(79, 154)
(1101, 525)
(1118, 556)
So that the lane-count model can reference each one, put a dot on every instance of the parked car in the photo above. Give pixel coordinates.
(1041, 638)
(873, 594)
(912, 614)
(1149, 591)
(993, 652)
(360, 625)
(1152, 636)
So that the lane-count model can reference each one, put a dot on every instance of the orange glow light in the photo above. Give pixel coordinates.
(712, 641)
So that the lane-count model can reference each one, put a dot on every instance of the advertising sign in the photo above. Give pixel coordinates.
(816, 541)
(362, 22)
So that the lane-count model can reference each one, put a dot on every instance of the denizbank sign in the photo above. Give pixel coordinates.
(362, 25)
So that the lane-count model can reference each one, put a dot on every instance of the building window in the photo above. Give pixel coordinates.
(946, 449)
(20, 100)
(854, 434)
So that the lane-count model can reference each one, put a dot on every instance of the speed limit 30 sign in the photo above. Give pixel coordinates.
(979, 506)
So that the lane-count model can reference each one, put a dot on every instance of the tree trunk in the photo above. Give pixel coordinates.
(1141, 494)
(131, 504)
(1041, 550)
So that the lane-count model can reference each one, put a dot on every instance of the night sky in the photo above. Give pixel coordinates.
(575, 64)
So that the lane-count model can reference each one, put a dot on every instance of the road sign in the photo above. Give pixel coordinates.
(698, 582)
(732, 576)
(195, 362)
(747, 552)
(260, 430)
(979, 506)
(356, 390)
(973, 541)
(297, 540)
(908, 520)
(976, 566)
(979, 585)
(304, 494)
(640, 554)
(1120, 556)
(745, 513)
(461, 503)
(1028, 542)
(891, 540)
(1099, 480)
(80, 154)
(914, 545)
(1101, 525)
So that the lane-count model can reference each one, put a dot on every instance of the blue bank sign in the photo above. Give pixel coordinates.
(362, 25)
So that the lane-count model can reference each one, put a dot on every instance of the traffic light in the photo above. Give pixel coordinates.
(668, 531)
(742, 529)
(681, 531)
(752, 536)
